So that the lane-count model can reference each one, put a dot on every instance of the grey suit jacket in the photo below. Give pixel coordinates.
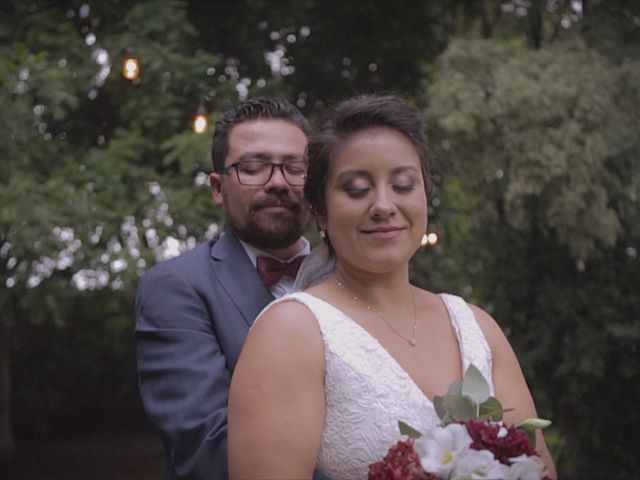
(193, 313)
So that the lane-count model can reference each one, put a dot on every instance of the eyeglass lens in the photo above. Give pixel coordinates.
(258, 172)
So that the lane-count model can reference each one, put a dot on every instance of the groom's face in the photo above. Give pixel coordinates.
(271, 216)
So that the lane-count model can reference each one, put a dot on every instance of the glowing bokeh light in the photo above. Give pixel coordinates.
(200, 123)
(130, 68)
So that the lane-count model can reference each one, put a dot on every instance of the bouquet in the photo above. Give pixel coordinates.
(471, 441)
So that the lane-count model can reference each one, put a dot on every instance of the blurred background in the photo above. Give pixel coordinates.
(533, 110)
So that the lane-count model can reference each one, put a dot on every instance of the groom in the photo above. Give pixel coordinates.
(193, 312)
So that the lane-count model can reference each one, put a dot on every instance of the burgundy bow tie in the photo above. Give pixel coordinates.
(272, 270)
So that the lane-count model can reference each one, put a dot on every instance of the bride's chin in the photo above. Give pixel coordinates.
(380, 265)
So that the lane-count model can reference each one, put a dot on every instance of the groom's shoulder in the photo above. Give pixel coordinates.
(186, 264)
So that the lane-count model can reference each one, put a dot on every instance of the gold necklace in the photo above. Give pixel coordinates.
(411, 340)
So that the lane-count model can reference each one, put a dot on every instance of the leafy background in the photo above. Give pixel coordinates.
(533, 109)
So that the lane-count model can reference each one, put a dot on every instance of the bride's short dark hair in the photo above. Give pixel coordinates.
(355, 115)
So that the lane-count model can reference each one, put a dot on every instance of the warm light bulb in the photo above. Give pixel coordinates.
(130, 67)
(200, 123)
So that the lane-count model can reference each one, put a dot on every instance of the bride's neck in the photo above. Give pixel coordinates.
(372, 285)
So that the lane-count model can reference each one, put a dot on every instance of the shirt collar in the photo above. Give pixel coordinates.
(253, 253)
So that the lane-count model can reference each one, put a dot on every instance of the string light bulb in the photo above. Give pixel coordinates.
(130, 65)
(200, 121)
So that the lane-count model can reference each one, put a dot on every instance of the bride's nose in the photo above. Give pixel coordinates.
(382, 205)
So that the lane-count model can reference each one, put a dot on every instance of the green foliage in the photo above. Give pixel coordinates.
(537, 208)
(94, 157)
(332, 49)
(538, 127)
(537, 213)
(102, 177)
(468, 399)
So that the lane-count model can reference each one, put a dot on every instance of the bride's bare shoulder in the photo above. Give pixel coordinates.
(287, 318)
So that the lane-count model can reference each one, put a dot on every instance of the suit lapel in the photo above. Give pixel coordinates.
(238, 277)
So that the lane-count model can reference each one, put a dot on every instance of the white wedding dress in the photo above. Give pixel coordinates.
(368, 392)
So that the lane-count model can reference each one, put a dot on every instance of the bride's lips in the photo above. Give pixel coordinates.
(383, 232)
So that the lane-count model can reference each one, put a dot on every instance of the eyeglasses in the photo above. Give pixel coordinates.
(256, 173)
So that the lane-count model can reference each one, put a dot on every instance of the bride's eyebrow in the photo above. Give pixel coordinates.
(348, 175)
(351, 174)
(403, 169)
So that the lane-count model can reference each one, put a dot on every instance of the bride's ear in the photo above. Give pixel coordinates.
(321, 223)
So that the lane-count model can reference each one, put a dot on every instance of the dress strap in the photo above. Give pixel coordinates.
(474, 348)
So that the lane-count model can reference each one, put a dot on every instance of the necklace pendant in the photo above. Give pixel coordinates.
(412, 342)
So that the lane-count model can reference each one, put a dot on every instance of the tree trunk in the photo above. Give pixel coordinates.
(6, 432)
(535, 23)
(488, 16)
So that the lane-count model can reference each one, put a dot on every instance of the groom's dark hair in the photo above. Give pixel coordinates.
(350, 117)
(256, 108)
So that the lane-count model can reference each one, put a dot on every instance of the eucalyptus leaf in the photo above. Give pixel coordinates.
(491, 409)
(460, 408)
(438, 404)
(475, 386)
(406, 429)
(455, 388)
(441, 410)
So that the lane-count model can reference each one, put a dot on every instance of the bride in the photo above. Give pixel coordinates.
(326, 374)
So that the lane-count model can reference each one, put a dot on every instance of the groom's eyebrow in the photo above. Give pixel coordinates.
(268, 157)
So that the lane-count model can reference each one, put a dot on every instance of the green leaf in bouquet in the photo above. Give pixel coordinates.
(491, 409)
(475, 386)
(530, 425)
(469, 398)
(406, 429)
(458, 407)
(455, 388)
(438, 404)
(531, 435)
(533, 423)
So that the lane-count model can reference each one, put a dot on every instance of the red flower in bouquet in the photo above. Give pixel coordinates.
(503, 441)
(471, 442)
(400, 463)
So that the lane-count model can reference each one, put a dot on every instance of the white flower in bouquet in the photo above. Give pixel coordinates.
(478, 464)
(524, 467)
(440, 448)
(472, 442)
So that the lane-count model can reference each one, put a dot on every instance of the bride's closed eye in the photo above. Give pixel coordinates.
(358, 188)
(403, 182)
(403, 187)
(357, 192)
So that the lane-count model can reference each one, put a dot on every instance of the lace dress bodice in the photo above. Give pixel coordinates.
(368, 392)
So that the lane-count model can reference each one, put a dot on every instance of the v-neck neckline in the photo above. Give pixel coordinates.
(394, 362)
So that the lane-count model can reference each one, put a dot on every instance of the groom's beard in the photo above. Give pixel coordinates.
(271, 230)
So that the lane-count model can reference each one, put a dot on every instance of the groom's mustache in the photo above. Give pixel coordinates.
(276, 201)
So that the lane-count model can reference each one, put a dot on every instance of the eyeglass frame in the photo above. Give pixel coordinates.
(225, 170)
